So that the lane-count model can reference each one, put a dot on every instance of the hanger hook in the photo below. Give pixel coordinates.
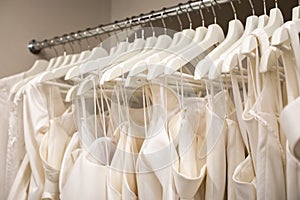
(115, 29)
(70, 42)
(78, 39)
(98, 36)
(163, 22)
(61, 40)
(104, 31)
(52, 46)
(201, 13)
(252, 7)
(150, 22)
(142, 26)
(187, 14)
(204, 5)
(85, 33)
(233, 9)
(126, 29)
(276, 4)
(178, 18)
(187, 11)
(130, 22)
(213, 11)
(265, 7)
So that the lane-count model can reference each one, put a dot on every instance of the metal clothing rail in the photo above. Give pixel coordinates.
(35, 46)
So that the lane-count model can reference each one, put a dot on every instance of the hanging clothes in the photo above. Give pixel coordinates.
(138, 124)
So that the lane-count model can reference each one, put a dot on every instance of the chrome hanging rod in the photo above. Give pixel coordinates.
(35, 46)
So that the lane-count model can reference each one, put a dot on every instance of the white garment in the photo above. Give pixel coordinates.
(243, 177)
(5, 107)
(289, 123)
(16, 144)
(84, 171)
(86, 180)
(19, 189)
(41, 103)
(187, 131)
(157, 154)
(235, 152)
(270, 154)
(218, 108)
(72, 152)
(288, 120)
(52, 150)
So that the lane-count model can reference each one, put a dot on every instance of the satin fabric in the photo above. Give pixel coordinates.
(41, 103)
(187, 130)
(52, 150)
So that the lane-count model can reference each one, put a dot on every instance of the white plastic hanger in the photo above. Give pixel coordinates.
(230, 61)
(221, 64)
(152, 43)
(288, 32)
(137, 47)
(280, 36)
(214, 36)
(294, 33)
(235, 31)
(38, 67)
(296, 12)
(118, 70)
(163, 42)
(86, 58)
(67, 59)
(53, 60)
(264, 18)
(268, 60)
(199, 36)
(274, 22)
(141, 66)
(97, 52)
(61, 59)
(62, 71)
(120, 55)
(155, 66)
(128, 64)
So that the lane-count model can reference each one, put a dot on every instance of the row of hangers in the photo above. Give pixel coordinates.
(163, 55)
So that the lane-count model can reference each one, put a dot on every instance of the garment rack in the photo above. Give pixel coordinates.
(35, 46)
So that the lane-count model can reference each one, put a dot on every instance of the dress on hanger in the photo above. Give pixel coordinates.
(245, 174)
(187, 131)
(157, 154)
(270, 163)
(16, 144)
(270, 154)
(5, 107)
(243, 177)
(218, 108)
(85, 169)
(52, 150)
(41, 103)
(288, 121)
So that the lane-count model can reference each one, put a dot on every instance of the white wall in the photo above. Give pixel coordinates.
(21, 21)
(126, 8)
